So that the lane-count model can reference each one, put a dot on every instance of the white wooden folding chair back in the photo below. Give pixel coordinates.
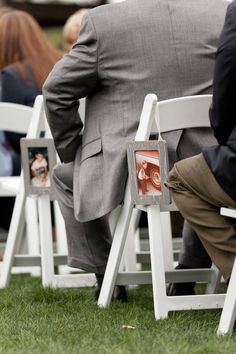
(167, 114)
(46, 257)
(194, 115)
(228, 315)
(16, 118)
(183, 112)
(27, 121)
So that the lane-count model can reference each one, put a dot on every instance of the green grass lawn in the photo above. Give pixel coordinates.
(37, 320)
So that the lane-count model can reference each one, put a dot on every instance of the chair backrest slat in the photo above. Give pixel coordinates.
(184, 112)
(15, 117)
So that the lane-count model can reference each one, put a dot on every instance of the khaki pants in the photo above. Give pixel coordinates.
(199, 198)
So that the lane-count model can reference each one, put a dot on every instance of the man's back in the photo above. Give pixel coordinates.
(162, 46)
(170, 43)
(125, 51)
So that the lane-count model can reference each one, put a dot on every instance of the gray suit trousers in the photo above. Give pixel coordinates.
(89, 242)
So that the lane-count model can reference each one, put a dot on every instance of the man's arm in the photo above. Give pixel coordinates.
(223, 110)
(73, 77)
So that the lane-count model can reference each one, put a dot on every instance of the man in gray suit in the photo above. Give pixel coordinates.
(124, 51)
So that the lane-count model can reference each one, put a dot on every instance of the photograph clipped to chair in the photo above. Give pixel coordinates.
(38, 160)
(148, 170)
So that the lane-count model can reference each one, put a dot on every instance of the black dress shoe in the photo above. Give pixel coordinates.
(178, 289)
(119, 293)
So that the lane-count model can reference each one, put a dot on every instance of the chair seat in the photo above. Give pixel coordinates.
(228, 212)
(9, 186)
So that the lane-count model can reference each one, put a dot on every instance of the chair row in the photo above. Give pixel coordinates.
(180, 113)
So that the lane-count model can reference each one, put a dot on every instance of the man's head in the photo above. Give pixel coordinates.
(39, 156)
(39, 153)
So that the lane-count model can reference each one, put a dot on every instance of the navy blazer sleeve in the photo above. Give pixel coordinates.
(11, 92)
(11, 87)
(223, 110)
(16, 90)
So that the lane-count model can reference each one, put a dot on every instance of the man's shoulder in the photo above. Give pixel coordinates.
(118, 11)
(112, 20)
(131, 9)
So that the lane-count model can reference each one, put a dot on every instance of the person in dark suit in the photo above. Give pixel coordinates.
(124, 51)
(26, 57)
(202, 184)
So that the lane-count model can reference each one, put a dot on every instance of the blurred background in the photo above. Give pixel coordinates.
(52, 14)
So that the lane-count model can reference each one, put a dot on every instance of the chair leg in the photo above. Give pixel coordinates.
(116, 252)
(32, 232)
(167, 241)
(228, 314)
(213, 285)
(157, 262)
(45, 227)
(15, 233)
(61, 241)
(129, 250)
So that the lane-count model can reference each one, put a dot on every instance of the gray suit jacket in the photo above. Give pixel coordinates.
(125, 51)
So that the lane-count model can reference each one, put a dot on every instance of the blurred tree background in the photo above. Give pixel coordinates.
(52, 14)
(54, 35)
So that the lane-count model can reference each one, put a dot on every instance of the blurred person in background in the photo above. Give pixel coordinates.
(3, 10)
(71, 29)
(26, 58)
(6, 167)
(9, 160)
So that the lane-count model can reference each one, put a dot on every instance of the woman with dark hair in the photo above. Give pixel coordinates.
(3, 11)
(26, 58)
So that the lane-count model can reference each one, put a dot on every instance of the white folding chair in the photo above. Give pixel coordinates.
(46, 258)
(17, 118)
(228, 314)
(66, 278)
(11, 257)
(180, 113)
